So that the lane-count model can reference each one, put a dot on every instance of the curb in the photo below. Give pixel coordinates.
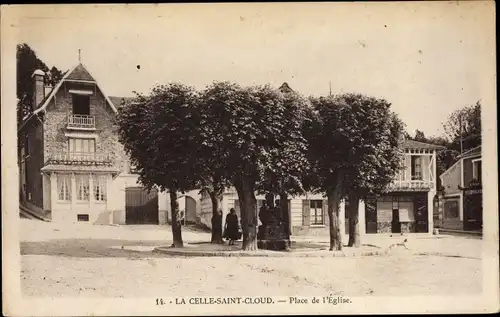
(460, 232)
(262, 253)
(447, 255)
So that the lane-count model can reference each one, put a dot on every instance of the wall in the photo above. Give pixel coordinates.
(61, 107)
(35, 161)
(451, 179)
(468, 169)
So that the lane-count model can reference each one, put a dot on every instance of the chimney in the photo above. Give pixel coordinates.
(38, 88)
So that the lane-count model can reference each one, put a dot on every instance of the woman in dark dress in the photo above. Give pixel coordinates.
(232, 231)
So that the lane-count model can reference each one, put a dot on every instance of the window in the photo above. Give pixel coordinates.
(81, 104)
(64, 187)
(99, 182)
(82, 187)
(476, 170)
(416, 168)
(81, 148)
(316, 209)
(82, 217)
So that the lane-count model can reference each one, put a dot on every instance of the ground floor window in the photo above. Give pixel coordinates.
(316, 210)
(99, 182)
(451, 209)
(64, 187)
(397, 213)
(82, 186)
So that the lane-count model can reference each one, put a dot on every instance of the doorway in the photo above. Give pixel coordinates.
(395, 224)
(141, 206)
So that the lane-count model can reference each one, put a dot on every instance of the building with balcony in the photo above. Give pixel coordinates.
(462, 193)
(407, 207)
(72, 166)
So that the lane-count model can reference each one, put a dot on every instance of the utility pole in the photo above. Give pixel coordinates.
(330, 84)
(461, 135)
(79, 55)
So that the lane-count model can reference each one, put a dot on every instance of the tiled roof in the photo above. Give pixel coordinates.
(471, 152)
(117, 101)
(285, 88)
(80, 73)
(412, 144)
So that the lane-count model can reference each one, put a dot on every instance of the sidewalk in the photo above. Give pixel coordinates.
(317, 246)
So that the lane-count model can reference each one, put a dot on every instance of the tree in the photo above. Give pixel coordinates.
(375, 139)
(463, 128)
(246, 134)
(419, 136)
(213, 176)
(27, 63)
(285, 163)
(158, 132)
(354, 143)
(328, 155)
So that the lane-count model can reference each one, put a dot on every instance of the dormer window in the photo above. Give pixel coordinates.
(81, 104)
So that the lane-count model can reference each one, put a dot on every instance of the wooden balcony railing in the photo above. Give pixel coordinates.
(79, 158)
(81, 122)
(411, 185)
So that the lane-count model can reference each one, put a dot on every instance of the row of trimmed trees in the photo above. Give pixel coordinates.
(265, 140)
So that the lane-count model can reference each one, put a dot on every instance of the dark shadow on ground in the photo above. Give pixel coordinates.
(91, 248)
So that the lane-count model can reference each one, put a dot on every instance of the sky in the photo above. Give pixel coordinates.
(427, 59)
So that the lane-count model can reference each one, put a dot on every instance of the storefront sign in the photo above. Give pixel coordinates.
(473, 191)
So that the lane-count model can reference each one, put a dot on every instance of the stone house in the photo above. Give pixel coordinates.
(462, 192)
(71, 165)
(407, 208)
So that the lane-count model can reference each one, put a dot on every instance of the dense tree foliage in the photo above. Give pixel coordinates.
(462, 133)
(250, 131)
(159, 133)
(27, 63)
(354, 146)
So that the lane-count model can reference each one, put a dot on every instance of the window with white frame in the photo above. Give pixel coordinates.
(316, 210)
(82, 187)
(64, 187)
(81, 148)
(99, 182)
(476, 170)
(416, 167)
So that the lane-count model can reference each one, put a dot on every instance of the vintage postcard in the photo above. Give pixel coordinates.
(249, 158)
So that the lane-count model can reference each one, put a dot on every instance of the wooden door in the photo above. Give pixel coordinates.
(421, 213)
(473, 211)
(141, 206)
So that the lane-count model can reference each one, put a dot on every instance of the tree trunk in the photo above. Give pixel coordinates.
(248, 215)
(353, 210)
(285, 213)
(216, 220)
(285, 217)
(333, 194)
(176, 221)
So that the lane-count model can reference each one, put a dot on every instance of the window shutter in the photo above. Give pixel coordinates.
(306, 212)
(237, 207)
(408, 167)
(325, 211)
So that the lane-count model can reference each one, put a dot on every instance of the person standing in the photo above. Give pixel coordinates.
(231, 230)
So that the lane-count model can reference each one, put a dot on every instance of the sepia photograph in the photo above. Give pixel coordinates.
(249, 158)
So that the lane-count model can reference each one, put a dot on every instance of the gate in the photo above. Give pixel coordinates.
(421, 213)
(141, 206)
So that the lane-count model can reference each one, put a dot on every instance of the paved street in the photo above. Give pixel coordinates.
(116, 261)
